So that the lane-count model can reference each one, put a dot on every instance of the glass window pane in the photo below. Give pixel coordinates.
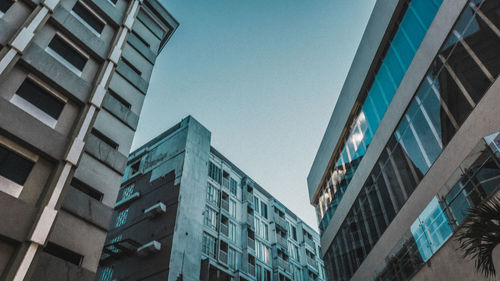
(413, 28)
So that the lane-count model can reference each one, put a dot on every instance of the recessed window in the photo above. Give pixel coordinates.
(119, 99)
(63, 253)
(5, 5)
(135, 167)
(113, 1)
(131, 66)
(104, 138)
(88, 17)
(13, 166)
(62, 50)
(87, 189)
(38, 102)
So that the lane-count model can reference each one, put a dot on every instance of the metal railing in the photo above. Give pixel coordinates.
(251, 243)
(223, 256)
(224, 229)
(309, 242)
(249, 197)
(251, 269)
(282, 241)
(225, 182)
(250, 220)
(224, 204)
(283, 264)
(312, 262)
(281, 222)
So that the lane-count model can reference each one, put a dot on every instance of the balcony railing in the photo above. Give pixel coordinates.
(249, 197)
(223, 256)
(251, 269)
(224, 229)
(224, 204)
(283, 264)
(281, 222)
(309, 242)
(312, 262)
(282, 241)
(251, 243)
(250, 220)
(225, 182)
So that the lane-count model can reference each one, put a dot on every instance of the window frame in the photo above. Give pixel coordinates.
(84, 22)
(62, 60)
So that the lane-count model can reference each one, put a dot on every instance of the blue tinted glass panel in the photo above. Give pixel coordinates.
(413, 28)
(425, 10)
(386, 84)
(405, 50)
(395, 67)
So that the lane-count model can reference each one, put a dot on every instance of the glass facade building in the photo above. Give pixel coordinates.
(464, 69)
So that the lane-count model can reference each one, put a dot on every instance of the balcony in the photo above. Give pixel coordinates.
(309, 242)
(225, 182)
(284, 265)
(249, 197)
(282, 241)
(223, 257)
(251, 243)
(224, 229)
(224, 205)
(312, 262)
(250, 220)
(281, 222)
(251, 269)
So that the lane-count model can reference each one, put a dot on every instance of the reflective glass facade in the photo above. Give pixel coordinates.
(464, 69)
(444, 214)
(407, 38)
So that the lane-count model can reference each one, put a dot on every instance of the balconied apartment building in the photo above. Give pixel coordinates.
(73, 78)
(185, 212)
(412, 142)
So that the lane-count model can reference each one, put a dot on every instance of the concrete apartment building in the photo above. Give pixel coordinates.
(185, 212)
(412, 142)
(73, 78)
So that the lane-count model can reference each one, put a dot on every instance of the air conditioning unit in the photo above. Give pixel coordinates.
(149, 248)
(155, 210)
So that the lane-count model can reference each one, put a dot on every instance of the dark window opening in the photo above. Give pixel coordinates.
(85, 188)
(113, 1)
(135, 167)
(131, 66)
(141, 39)
(119, 99)
(40, 98)
(13, 166)
(65, 50)
(5, 5)
(84, 13)
(104, 138)
(63, 253)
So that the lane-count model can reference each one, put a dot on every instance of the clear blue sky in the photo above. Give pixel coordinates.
(263, 76)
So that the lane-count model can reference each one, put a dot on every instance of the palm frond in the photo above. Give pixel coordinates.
(480, 234)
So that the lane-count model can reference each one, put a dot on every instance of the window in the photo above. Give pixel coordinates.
(5, 5)
(210, 219)
(231, 258)
(212, 194)
(263, 209)
(208, 245)
(256, 203)
(215, 173)
(113, 145)
(134, 168)
(263, 252)
(38, 102)
(232, 231)
(113, 2)
(13, 166)
(294, 232)
(232, 208)
(234, 187)
(63, 253)
(87, 189)
(119, 99)
(259, 272)
(122, 218)
(131, 66)
(88, 17)
(67, 54)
